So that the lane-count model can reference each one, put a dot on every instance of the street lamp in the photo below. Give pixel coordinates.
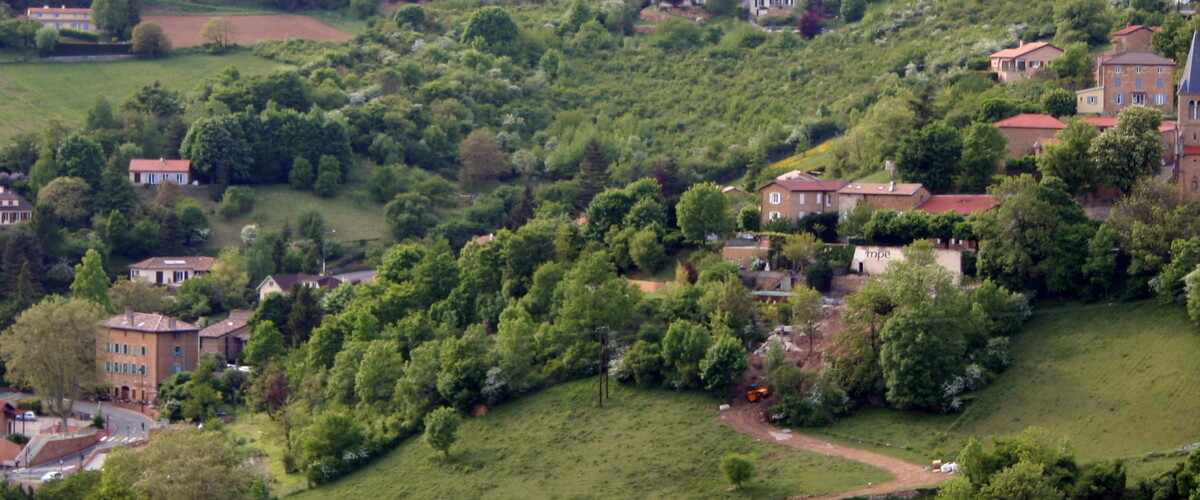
(323, 245)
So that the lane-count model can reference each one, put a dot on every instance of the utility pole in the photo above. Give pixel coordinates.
(602, 389)
(323, 240)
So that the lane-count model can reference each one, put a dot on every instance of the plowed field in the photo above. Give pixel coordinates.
(184, 31)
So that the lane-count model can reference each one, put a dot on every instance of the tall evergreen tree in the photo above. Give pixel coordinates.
(91, 282)
(593, 172)
(521, 211)
(305, 315)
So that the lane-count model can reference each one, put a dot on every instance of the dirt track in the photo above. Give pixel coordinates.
(747, 418)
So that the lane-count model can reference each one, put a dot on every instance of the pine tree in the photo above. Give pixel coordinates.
(521, 211)
(593, 172)
(91, 282)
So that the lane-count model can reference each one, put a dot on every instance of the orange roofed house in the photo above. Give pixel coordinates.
(1026, 132)
(62, 17)
(139, 351)
(795, 198)
(149, 172)
(891, 196)
(1016, 63)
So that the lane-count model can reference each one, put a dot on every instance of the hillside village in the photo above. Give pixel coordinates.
(455, 250)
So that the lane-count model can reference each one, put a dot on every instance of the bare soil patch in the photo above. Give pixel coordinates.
(184, 31)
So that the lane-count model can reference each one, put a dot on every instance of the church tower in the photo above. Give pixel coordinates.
(1187, 166)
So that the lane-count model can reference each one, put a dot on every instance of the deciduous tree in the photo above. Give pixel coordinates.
(737, 469)
(441, 429)
(150, 40)
(482, 158)
(1070, 159)
(52, 348)
(1131, 150)
(218, 32)
(91, 282)
(930, 156)
(702, 211)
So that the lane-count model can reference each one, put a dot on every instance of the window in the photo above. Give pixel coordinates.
(828, 201)
(773, 216)
(124, 348)
(1195, 185)
(178, 350)
(819, 199)
(1120, 99)
(1160, 99)
(143, 350)
(176, 369)
(1137, 83)
(1137, 69)
(1092, 99)
(1159, 83)
(1116, 69)
(180, 276)
(800, 215)
(775, 198)
(802, 198)
(1117, 82)
(142, 370)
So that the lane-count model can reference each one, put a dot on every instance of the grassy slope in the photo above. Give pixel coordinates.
(275, 204)
(1118, 381)
(35, 93)
(556, 444)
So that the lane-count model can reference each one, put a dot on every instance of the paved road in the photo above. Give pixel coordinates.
(126, 426)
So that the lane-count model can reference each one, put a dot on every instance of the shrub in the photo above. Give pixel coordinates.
(86, 36)
(737, 468)
(31, 404)
(17, 438)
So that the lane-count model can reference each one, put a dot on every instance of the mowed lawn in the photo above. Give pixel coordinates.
(33, 94)
(1119, 381)
(557, 444)
(279, 203)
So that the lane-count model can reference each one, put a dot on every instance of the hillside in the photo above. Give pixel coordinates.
(1113, 379)
(557, 444)
(35, 94)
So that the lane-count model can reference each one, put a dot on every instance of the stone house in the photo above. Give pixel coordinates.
(1027, 131)
(1137, 78)
(139, 351)
(795, 198)
(891, 196)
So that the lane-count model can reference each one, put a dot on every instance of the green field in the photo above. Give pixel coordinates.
(557, 444)
(279, 203)
(1119, 381)
(36, 93)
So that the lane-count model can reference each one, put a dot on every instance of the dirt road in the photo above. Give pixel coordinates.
(747, 418)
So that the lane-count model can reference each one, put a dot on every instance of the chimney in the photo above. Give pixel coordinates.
(162, 160)
(129, 315)
(891, 186)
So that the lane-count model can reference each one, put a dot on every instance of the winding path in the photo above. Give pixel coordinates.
(746, 417)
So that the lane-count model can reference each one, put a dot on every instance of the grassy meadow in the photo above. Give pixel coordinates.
(36, 93)
(557, 444)
(278, 203)
(1119, 381)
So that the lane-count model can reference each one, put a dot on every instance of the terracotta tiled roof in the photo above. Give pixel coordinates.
(797, 185)
(143, 322)
(159, 165)
(223, 327)
(963, 204)
(7, 196)
(1022, 50)
(1031, 120)
(1130, 29)
(881, 188)
(1146, 58)
(797, 174)
(194, 263)
(1105, 122)
(485, 238)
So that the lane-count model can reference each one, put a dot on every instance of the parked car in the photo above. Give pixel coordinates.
(28, 416)
(52, 476)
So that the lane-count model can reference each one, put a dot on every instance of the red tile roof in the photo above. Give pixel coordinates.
(1022, 50)
(143, 322)
(963, 204)
(1130, 29)
(881, 188)
(1031, 120)
(195, 263)
(796, 185)
(1143, 58)
(1111, 121)
(159, 165)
